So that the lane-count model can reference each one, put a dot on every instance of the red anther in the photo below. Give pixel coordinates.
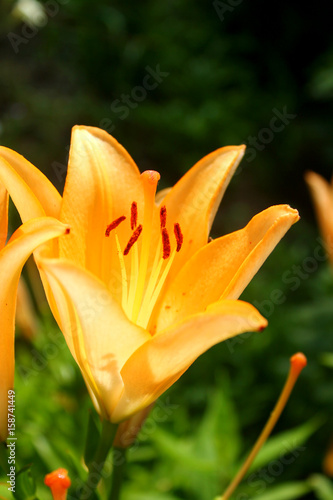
(114, 224)
(133, 239)
(166, 243)
(179, 236)
(163, 214)
(134, 215)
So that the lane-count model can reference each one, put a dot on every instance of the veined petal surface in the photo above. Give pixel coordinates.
(158, 363)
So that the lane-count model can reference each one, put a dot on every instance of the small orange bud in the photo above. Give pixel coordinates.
(58, 482)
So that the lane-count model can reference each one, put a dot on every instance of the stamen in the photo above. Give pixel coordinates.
(163, 214)
(134, 215)
(297, 363)
(166, 243)
(133, 239)
(179, 236)
(114, 224)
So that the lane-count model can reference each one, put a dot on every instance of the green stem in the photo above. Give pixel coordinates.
(119, 463)
(95, 468)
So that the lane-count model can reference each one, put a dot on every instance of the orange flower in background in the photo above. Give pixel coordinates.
(322, 196)
(136, 288)
(13, 255)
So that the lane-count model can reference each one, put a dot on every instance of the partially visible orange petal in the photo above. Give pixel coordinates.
(194, 200)
(12, 258)
(160, 195)
(25, 200)
(102, 182)
(158, 363)
(97, 329)
(3, 215)
(37, 182)
(224, 267)
(322, 195)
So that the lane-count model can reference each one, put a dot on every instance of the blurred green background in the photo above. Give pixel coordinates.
(173, 81)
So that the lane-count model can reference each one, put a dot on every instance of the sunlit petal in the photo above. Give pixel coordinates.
(96, 329)
(36, 181)
(224, 267)
(25, 200)
(101, 183)
(194, 200)
(157, 364)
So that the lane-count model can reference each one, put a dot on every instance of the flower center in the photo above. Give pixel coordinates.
(140, 288)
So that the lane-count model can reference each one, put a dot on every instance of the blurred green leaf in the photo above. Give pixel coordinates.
(287, 491)
(322, 486)
(25, 485)
(286, 443)
(92, 438)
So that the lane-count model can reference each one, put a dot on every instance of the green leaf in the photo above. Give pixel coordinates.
(92, 439)
(287, 491)
(322, 486)
(25, 486)
(286, 443)
(218, 435)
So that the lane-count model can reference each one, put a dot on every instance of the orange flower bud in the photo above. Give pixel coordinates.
(58, 482)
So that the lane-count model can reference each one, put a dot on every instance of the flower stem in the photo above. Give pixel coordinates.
(95, 470)
(119, 463)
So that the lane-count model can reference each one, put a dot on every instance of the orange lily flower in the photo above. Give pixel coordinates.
(136, 288)
(13, 255)
(322, 196)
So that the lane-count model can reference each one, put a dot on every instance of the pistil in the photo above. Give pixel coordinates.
(297, 363)
(140, 292)
(150, 179)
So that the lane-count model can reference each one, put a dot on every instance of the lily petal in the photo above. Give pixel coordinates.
(12, 258)
(101, 183)
(322, 195)
(158, 363)
(96, 329)
(224, 267)
(25, 200)
(37, 182)
(3, 215)
(194, 200)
